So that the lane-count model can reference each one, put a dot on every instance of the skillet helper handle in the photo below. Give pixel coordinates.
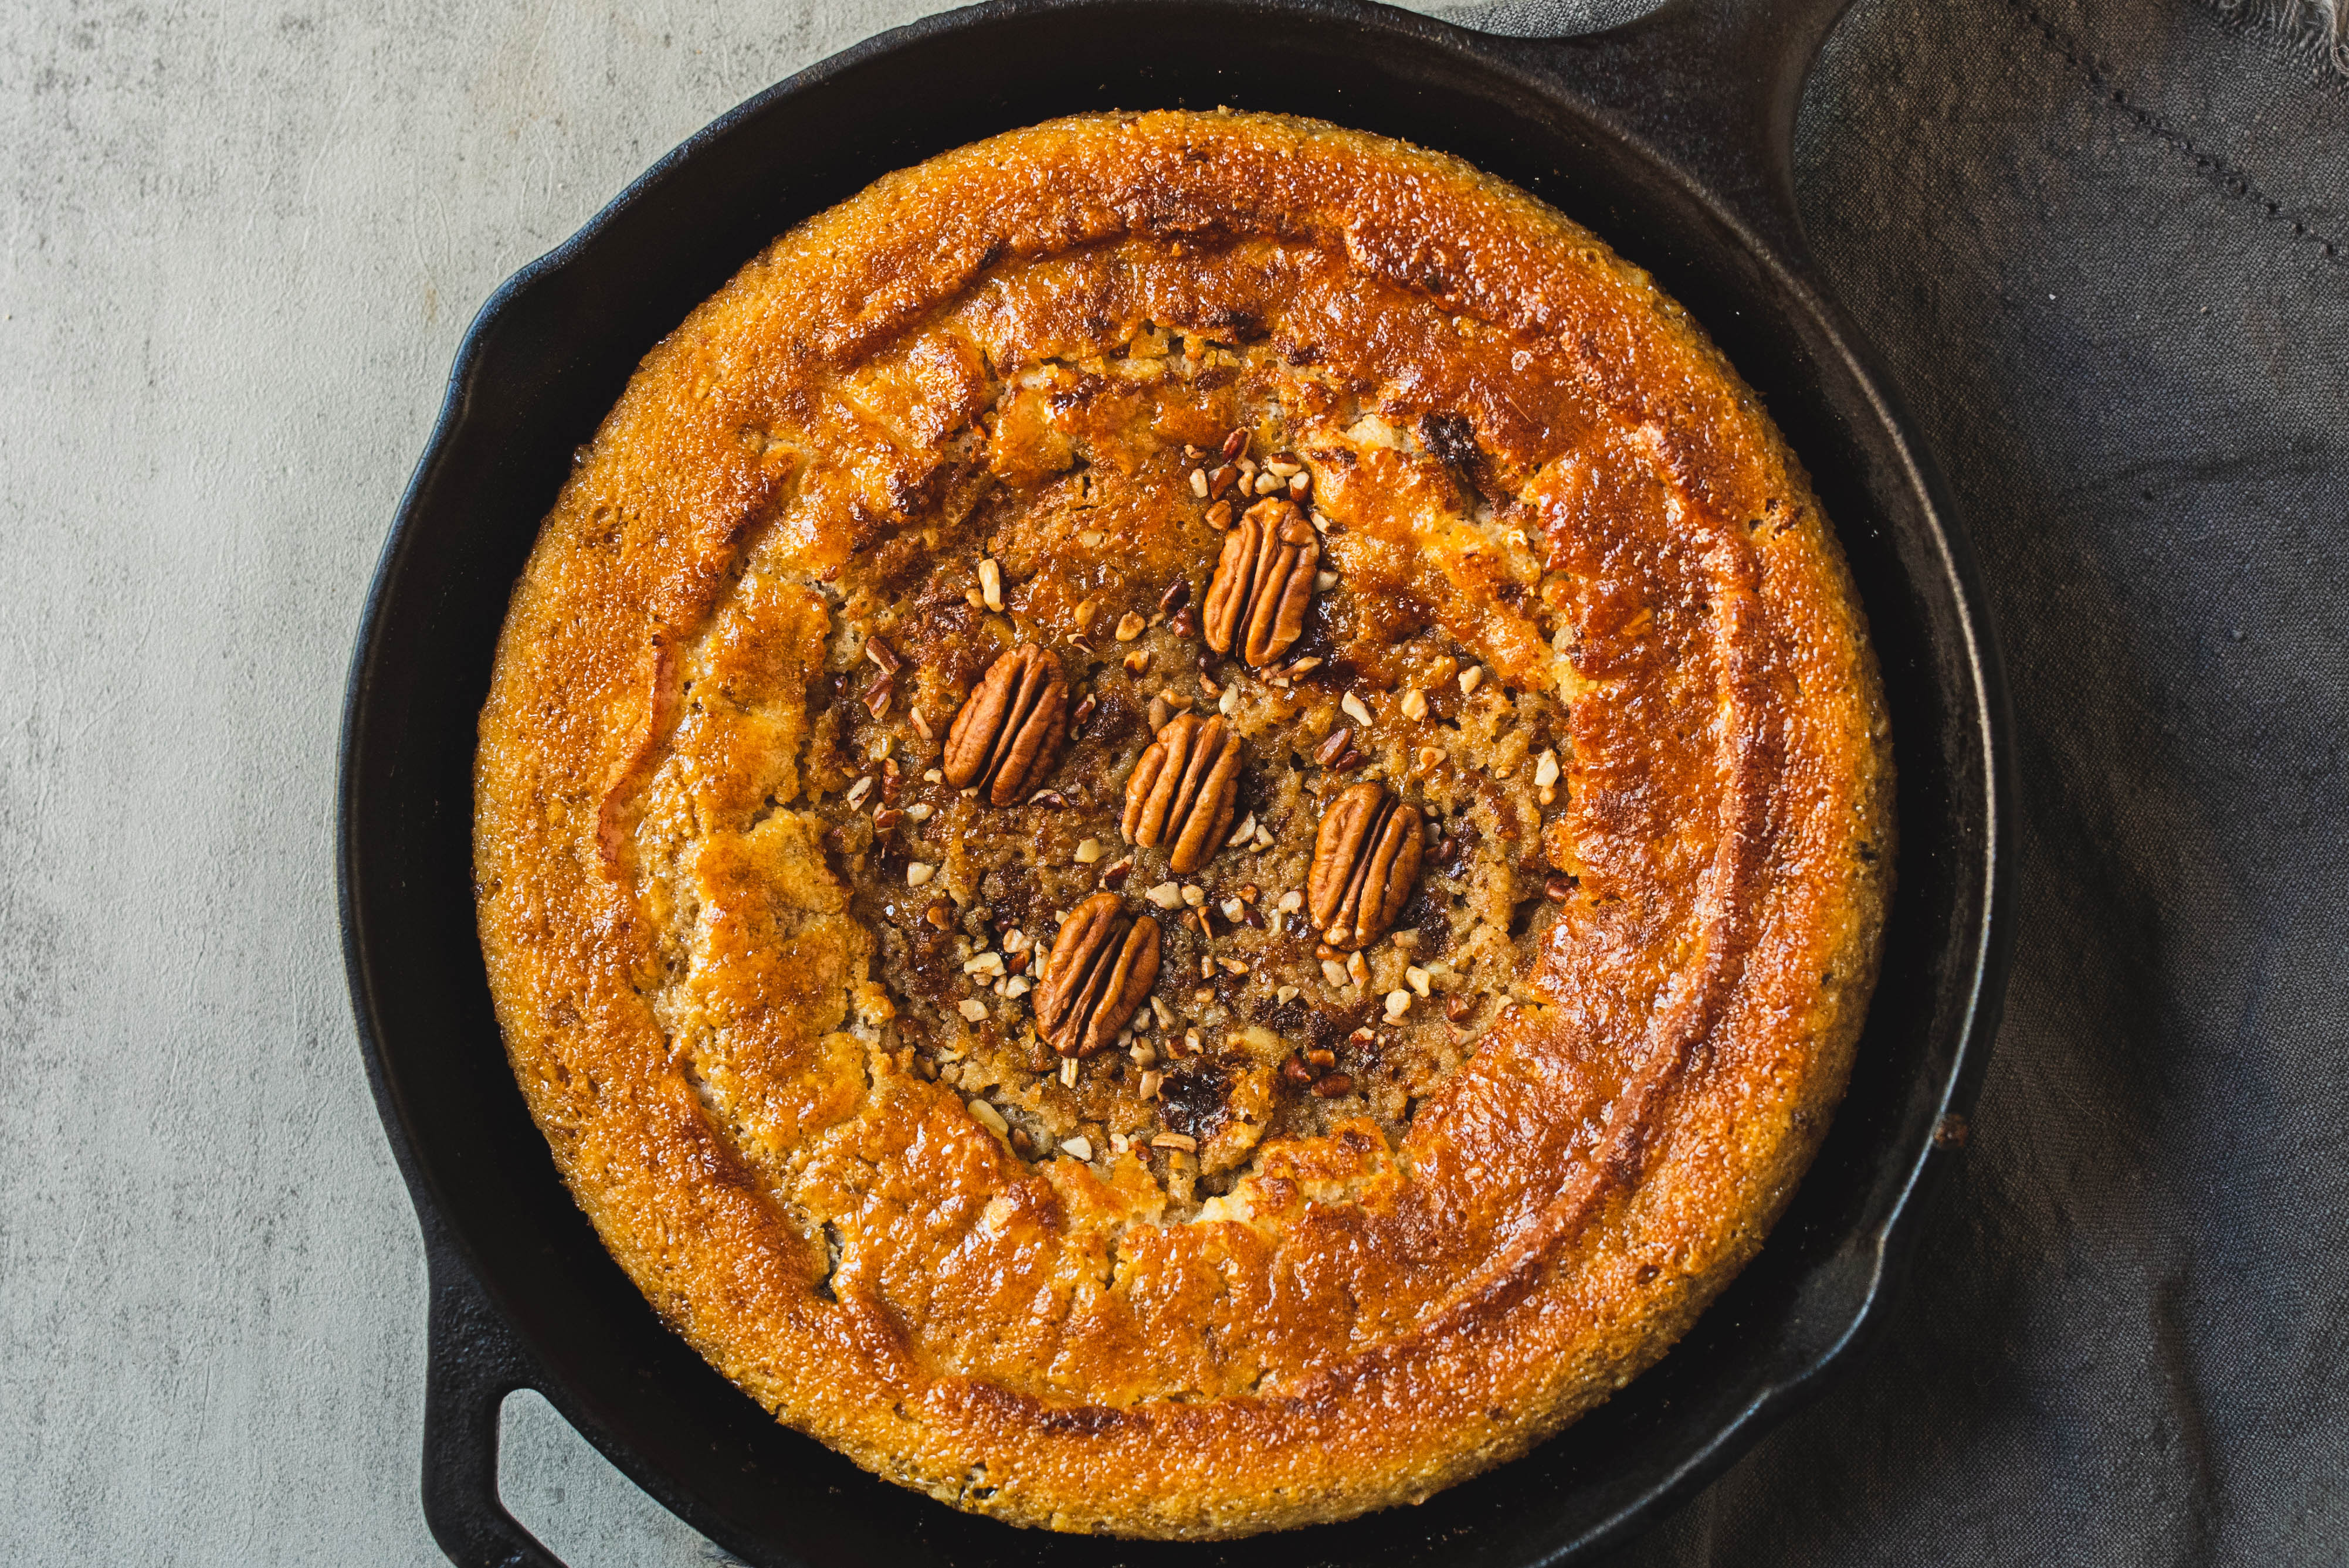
(1712, 87)
(474, 1362)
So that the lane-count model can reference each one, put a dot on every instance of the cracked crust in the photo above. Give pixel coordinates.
(706, 958)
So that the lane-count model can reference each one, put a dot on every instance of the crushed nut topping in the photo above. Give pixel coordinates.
(1182, 792)
(1101, 968)
(1263, 585)
(1186, 789)
(1005, 739)
(1365, 859)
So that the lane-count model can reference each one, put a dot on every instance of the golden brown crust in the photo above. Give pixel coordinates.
(1356, 1323)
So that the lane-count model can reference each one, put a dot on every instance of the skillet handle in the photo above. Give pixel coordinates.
(1711, 88)
(474, 1362)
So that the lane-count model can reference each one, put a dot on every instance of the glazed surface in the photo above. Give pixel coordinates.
(1316, 1229)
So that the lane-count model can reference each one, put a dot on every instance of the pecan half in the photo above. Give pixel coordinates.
(1102, 967)
(1183, 789)
(1263, 585)
(1365, 859)
(1005, 738)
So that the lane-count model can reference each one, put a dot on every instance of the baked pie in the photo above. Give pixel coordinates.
(1183, 825)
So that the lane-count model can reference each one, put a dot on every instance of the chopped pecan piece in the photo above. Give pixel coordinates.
(1005, 738)
(1365, 859)
(1102, 965)
(1183, 791)
(1263, 585)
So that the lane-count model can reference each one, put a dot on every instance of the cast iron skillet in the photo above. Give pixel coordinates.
(1671, 137)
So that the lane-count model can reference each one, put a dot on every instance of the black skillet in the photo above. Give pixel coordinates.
(1671, 137)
